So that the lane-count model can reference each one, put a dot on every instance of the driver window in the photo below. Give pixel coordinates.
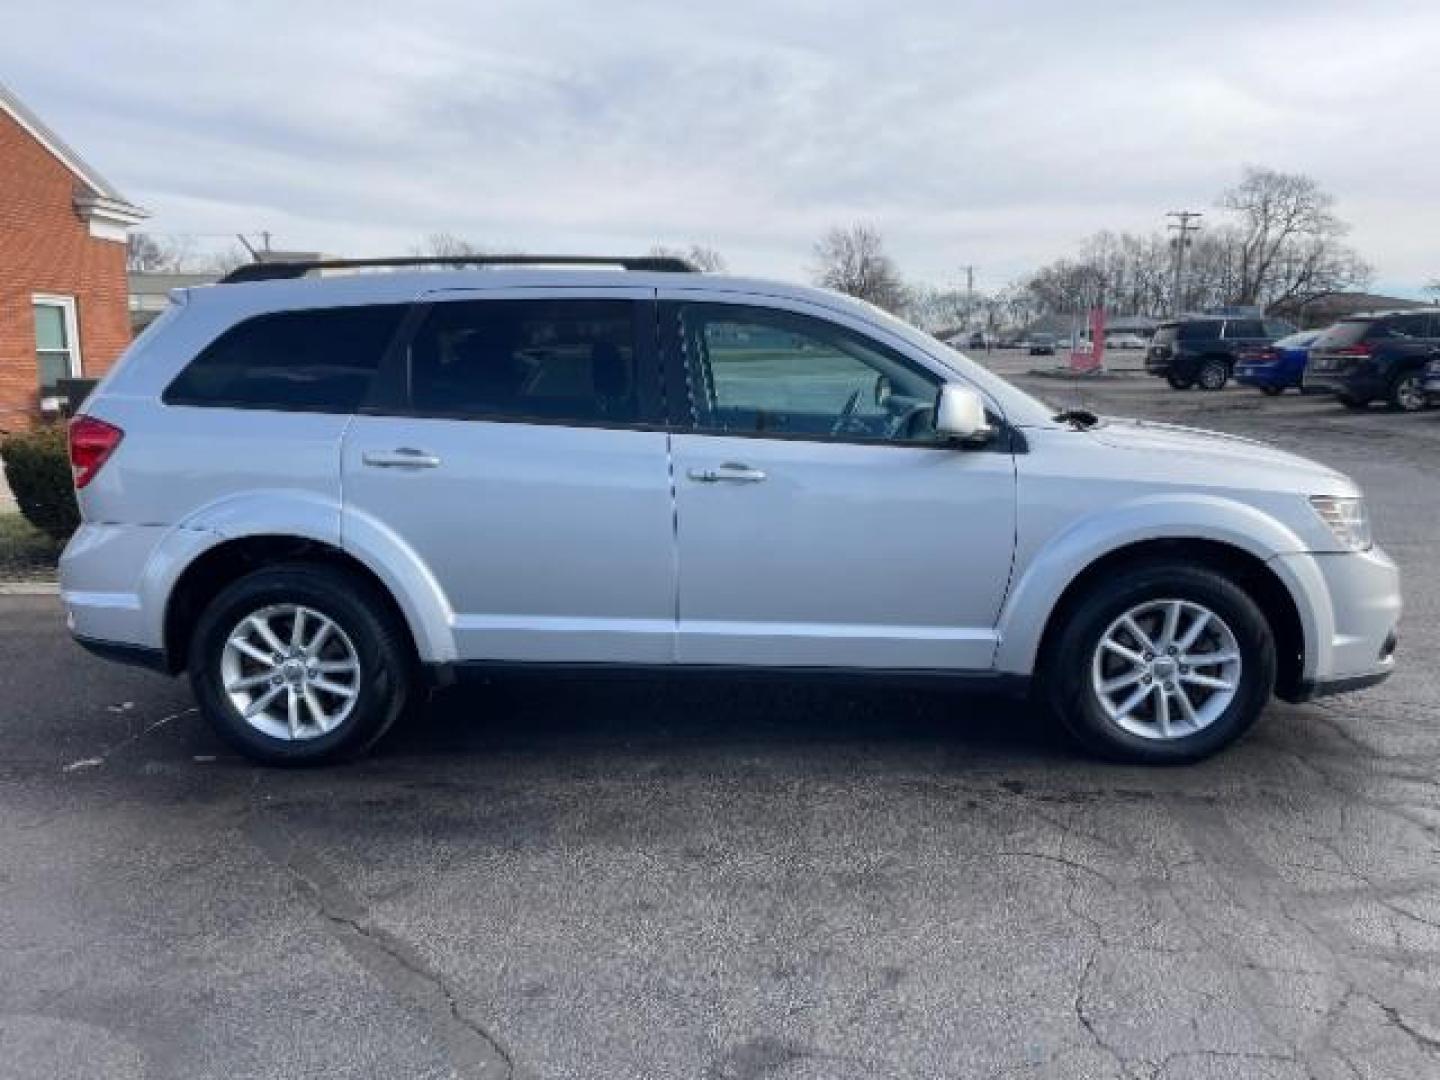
(761, 370)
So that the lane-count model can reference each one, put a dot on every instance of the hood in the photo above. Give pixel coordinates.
(1235, 458)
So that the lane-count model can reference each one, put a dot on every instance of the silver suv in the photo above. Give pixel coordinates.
(321, 495)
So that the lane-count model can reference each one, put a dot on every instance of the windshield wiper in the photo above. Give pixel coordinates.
(1083, 419)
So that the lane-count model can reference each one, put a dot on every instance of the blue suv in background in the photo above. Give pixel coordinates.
(1275, 368)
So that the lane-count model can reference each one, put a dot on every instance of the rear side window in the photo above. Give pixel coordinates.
(1244, 328)
(556, 361)
(1198, 331)
(1415, 326)
(319, 360)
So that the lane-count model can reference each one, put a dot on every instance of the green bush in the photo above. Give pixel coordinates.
(37, 467)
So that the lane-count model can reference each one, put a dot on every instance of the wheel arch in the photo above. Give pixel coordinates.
(230, 559)
(1251, 573)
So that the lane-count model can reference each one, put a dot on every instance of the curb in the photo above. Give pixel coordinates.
(29, 588)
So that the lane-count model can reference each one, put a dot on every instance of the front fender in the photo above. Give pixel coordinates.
(1181, 516)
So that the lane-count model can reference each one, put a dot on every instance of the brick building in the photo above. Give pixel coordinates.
(63, 306)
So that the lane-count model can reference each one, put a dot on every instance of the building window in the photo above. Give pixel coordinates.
(57, 340)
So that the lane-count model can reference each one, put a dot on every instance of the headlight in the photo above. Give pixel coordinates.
(1346, 518)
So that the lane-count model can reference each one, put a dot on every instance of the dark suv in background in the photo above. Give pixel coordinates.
(1379, 357)
(1203, 351)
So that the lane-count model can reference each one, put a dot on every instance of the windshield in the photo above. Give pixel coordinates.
(1348, 332)
(1298, 341)
(1020, 408)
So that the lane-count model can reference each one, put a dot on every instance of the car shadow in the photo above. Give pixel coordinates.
(538, 714)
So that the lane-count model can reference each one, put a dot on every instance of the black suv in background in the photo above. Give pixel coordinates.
(1379, 357)
(1203, 350)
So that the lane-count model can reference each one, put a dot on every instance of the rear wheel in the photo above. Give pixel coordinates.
(300, 663)
(1166, 663)
(1272, 391)
(1407, 392)
(1213, 375)
(1178, 383)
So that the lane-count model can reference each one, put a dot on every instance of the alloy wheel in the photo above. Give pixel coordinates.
(1166, 669)
(1212, 377)
(1409, 394)
(290, 671)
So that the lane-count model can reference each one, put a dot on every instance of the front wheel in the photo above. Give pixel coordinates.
(300, 663)
(1270, 390)
(1165, 663)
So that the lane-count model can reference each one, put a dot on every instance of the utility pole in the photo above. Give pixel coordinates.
(969, 295)
(1183, 227)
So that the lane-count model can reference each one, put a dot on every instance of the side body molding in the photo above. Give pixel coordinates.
(1043, 574)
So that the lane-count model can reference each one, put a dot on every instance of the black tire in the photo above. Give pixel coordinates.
(1352, 403)
(380, 642)
(1178, 383)
(1065, 676)
(1213, 375)
(1407, 392)
(1272, 391)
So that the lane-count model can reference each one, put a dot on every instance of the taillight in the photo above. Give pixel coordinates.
(91, 444)
(1355, 351)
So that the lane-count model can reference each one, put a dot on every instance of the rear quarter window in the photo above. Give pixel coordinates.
(317, 360)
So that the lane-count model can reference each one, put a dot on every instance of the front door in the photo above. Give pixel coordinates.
(516, 455)
(820, 521)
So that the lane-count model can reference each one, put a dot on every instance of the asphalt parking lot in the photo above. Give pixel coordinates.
(712, 878)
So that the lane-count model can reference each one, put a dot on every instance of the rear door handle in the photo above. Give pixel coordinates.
(731, 472)
(406, 457)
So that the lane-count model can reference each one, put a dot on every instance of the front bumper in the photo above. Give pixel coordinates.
(1351, 625)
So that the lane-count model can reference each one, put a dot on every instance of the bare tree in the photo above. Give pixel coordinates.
(697, 255)
(1289, 239)
(152, 252)
(222, 262)
(444, 245)
(853, 261)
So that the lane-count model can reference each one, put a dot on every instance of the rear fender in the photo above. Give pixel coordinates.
(304, 516)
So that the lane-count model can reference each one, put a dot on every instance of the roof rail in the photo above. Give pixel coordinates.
(279, 271)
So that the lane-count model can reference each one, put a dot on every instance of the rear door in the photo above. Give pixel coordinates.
(514, 449)
(820, 522)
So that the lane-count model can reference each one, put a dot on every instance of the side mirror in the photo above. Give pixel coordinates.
(960, 416)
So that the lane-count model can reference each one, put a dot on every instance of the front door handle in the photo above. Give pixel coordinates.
(731, 472)
(406, 457)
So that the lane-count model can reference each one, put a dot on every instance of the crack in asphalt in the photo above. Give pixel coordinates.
(472, 1049)
(1425, 1042)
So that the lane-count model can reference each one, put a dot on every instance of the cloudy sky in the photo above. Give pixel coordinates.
(985, 133)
